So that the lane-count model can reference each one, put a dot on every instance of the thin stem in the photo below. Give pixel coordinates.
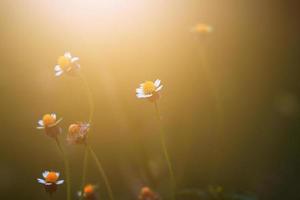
(88, 148)
(102, 172)
(91, 114)
(166, 154)
(213, 85)
(67, 168)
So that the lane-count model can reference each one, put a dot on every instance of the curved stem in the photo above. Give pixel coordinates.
(67, 168)
(88, 148)
(102, 172)
(91, 114)
(165, 152)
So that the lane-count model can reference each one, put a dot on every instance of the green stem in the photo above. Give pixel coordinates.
(165, 152)
(213, 86)
(91, 114)
(217, 130)
(67, 169)
(102, 172)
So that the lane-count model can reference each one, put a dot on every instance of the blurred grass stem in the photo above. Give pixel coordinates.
(165, 151)
(102, 172)
(67, 168)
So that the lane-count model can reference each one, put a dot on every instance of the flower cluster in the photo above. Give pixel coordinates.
(78, 131)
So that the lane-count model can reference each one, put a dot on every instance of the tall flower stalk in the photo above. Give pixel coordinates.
(151, 91)
(91, 114)
(211, 84)
(102, 172)
(202, 31)
(66, 64)
(165, 152)
(88, 148)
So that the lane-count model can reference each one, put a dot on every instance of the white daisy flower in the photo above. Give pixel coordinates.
(48, 120)
(49, 123)
(67, 64)
(149, 89)
(50, 178)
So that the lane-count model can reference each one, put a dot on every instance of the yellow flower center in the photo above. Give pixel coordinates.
(88, 189)
(149, 87)
(48, 120)
(63, 62)
(51, 177)
(74, 129)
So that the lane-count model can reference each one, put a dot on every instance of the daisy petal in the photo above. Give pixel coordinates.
(48, 183)
(143, 95)
(40, 127)
(41, 181)
(159, 88)
(139, 90)
(53, 115)
(41, 123)
(157, 83)
(140, 95)
(57, 174)
(59, 182)
(57, 68)
(74, 59)
(58, 73)
(45, 174)
(68, 55)
(148, 95)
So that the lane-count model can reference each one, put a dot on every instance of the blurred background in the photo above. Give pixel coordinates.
(230, 103)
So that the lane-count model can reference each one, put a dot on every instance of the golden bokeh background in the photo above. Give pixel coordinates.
(251, 63)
